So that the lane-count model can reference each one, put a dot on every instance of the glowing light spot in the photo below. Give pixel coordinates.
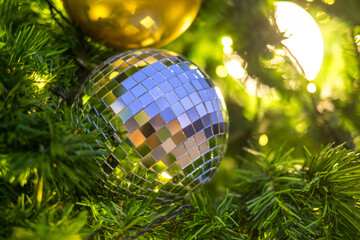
(12, 179)
(156, 189)
(39, 81)
(40, 190)
(98, 12)
(303, 37)
(147, 42)
(263, 140)
(165, 175)
(329, 2)
(113, 74)
(226, 41)
(280, 52)
(85, 98)
(221, 71)
(311, 87)
(218, 92)
(147, 22)
(192, 66)
(234, 68)
(227, 49)
(357, 39)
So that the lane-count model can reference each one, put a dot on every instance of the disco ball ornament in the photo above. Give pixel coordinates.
(162, 120)
(133, 23)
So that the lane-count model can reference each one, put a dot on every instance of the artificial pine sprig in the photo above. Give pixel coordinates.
(314, 198)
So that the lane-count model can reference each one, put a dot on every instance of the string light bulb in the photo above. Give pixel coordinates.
(234, 66)
(263, 140)
(311, 87)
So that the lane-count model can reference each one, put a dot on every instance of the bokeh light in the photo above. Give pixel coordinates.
(226, 41)
(303, 37)
(263, 140)
(311, 87)
(234, 67)
(227, 49)
(221, 71)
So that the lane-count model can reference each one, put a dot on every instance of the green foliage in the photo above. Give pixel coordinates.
(312, 198)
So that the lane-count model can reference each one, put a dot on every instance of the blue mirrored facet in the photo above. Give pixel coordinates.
(168, 115)
(184, 120)
(128, 83)
(175, 82)
(176, 69)
(136, 106)
(146, 99)
(183, 78)
(128, 97)
(201, 109)
(158, 66)
(149, 83)
(152, 110)
(167, 73)
(177, 108)
(138, 90)
(181, 92)
(158, 78)
(186, 103)
(149, 71)
(156, 92)
(162, 103)
(193, 115)
(139, 77)
(165, 87)
(189, 88)
(171, 97)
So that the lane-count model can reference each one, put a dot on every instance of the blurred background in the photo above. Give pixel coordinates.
(290, 78)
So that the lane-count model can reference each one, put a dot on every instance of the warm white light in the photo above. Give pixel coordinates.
(40, 81)
(311, 87)
(303, 37)
(165, 175)
(164, 178)
(357, 39)
(227, 49)
(221, 71)
(226, 41)
(234, 67)
(263, 140)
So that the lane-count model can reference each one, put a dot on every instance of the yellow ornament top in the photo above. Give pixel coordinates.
(133, 23)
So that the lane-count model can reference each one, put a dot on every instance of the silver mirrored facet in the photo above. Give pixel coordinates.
(163, 122)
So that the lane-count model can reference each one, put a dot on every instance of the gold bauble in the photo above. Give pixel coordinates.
(133, 23)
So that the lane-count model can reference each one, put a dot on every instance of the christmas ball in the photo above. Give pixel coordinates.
(133, 23)
(162, 121)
